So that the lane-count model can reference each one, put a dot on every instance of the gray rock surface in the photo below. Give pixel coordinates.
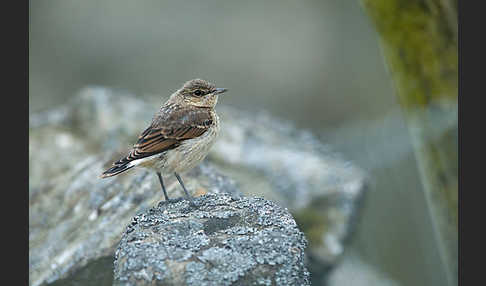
(249, 241)
(75, 218)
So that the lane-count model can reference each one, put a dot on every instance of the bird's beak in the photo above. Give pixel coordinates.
(220, 90)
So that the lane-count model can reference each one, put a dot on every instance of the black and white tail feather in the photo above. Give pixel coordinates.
(125, 163)
(117, 169)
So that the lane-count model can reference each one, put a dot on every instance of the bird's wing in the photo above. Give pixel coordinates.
(171, 126)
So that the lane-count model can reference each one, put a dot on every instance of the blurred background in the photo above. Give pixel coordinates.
(315, 63)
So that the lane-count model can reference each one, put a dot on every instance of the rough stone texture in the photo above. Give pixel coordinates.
(249, 241)
(82, 217)
(76, 218)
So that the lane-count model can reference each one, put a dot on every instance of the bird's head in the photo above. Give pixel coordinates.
(198, 92)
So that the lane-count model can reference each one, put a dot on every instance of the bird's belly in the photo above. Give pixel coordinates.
(190, 153)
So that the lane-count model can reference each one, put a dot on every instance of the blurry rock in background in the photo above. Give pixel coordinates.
(76, 219)
(354, 271)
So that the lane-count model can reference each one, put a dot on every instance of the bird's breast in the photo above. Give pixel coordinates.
(191, 152)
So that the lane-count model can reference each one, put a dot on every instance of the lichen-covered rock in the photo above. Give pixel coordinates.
(222, 241)
(75, 218)
(81, 217)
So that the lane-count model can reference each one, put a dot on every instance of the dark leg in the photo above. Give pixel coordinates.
(182, 184)
(162, 184)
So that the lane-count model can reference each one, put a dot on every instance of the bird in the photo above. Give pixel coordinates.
(179, 137)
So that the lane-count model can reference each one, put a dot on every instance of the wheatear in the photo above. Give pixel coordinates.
(180, 135)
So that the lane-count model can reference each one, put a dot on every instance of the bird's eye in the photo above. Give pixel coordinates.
(198, 92)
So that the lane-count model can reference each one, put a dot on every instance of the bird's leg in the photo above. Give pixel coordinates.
(182, 184)
(163, 188)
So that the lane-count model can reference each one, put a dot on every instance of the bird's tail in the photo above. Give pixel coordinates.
(116, 169)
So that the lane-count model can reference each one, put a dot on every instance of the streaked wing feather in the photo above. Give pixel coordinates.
(168, 130)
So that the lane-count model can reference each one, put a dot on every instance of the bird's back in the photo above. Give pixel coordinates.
(170, 127)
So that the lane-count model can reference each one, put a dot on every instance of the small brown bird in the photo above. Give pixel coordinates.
(180, 135)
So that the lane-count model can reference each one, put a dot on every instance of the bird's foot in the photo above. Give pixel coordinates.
(176, 200)
(171, 201)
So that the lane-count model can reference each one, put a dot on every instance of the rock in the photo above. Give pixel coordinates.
(250, 241)
(75, 218)
(291, 167)
(354, 271)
